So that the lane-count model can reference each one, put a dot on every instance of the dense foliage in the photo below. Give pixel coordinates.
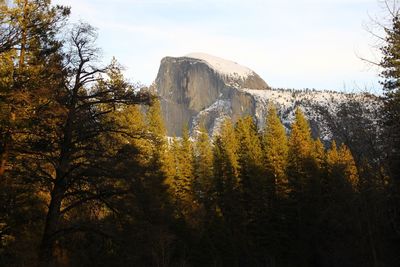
(89, 178)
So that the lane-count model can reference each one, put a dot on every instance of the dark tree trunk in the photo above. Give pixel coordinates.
(3, 157)
(47, 255)
(5, 147)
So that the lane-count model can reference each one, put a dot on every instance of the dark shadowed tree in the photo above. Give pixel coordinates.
(66, 153)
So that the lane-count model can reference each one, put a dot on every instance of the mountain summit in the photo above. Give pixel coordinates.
(202, 89)
(199, 88)
(231, 72)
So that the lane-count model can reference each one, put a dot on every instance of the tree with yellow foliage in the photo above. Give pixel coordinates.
(182, 184)
(301, 148)
(226, 169)
(203, 167)
(342, 166)
(275, 150)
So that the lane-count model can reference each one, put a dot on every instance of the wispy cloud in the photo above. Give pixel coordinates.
(306, 43)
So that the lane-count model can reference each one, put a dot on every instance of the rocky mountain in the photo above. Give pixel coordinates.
(200, 88)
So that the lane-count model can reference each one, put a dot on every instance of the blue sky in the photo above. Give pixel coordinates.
(291, 44)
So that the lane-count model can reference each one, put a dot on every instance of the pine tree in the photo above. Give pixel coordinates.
(271, 234)
(226, 171)
(391, 127)
(253, 189)
(340, 194)
(319, 153)
(28, 39)
(342, 167)
(391, 109)
(305, 196)
(186, 166)
(182, 184)
(31, 67)
(300, 151)
(74, 157)
(351, 173)
(275, 146)
(249, 155)
(203, 167)
(160, 147)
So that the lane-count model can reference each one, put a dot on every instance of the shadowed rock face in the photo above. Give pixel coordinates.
(192, 92)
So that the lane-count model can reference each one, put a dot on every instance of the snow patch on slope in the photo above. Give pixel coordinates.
(311, 102)
(288, 98)
(223, 66)
(220, 110)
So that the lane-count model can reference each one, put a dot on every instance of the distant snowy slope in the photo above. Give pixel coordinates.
(200, 89)
(287, 98)
(319, 106)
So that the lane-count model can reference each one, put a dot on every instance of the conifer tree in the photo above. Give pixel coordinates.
(253, 186)
(154, 119)
(182, 184)
(226, 170)
(161, 161)
(272, 227)
(341, 196)
(319, 153)
(391, 109)
(351, 173)
(275, 146)
(390, 122)
(74, 153)
(342, 166)
(174, 148)
(333, 154)
(160, 148)
(203, 167)
(305, 184)
(186, 166)
(28, 36)
(301, 147)
(249, 156)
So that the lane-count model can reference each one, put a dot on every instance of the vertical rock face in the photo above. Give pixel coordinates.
(193, 91)
(202, 89)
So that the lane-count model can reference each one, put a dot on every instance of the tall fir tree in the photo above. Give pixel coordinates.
(319, 153)
(249, 156)
(271, 233)
(226, 171)
(341, 166)
(300, 151)
(160, 146)
(87, 94)
(182, 184)
(203, 168)
(275, 146)
(305, 185)
(391, 85)
(31, 54)
(31, 72)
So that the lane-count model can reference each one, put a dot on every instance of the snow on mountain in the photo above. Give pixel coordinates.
(287, 98)
(200, 89)
(223, 66)
(320, 107)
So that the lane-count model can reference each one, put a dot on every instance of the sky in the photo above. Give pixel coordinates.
(289, 43)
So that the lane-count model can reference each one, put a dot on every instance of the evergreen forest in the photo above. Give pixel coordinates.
(88, 176)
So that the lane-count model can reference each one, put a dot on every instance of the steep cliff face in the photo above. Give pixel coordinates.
(202, 89)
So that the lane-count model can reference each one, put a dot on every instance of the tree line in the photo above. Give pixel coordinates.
(88, 176)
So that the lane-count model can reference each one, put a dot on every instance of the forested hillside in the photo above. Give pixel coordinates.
(88, 176)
